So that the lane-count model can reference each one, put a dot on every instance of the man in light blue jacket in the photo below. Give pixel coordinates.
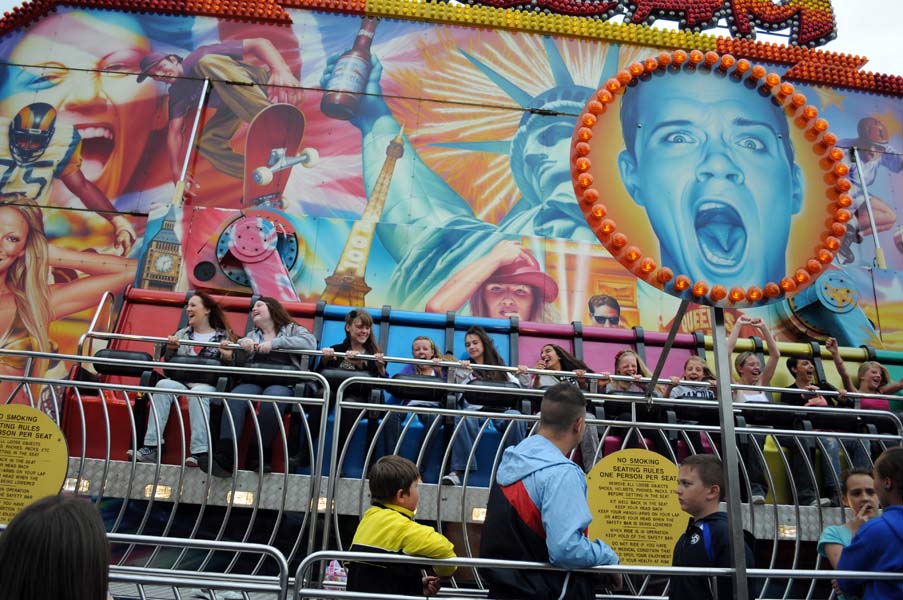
(537, 508)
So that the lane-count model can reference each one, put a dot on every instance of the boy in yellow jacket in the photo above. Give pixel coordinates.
(388, 527)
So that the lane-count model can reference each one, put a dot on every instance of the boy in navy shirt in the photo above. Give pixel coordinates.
(705, 543)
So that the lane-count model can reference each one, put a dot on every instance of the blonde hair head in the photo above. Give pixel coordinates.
(885, 374)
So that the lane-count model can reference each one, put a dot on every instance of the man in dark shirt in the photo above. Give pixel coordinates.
(803, 371)
(235, 102)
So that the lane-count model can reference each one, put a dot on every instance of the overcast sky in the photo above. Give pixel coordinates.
(865, 27)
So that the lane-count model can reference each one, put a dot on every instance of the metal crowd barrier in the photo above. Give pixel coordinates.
(305, 588)
(142, 576)
(184, 495)
(149, 490)
(463, 506)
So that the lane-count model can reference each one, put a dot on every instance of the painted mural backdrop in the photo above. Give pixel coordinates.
(444, 186)
(68, 216)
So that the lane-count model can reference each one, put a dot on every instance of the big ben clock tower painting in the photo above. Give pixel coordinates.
(163, 259)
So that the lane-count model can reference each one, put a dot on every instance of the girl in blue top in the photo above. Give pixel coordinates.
(857, 493)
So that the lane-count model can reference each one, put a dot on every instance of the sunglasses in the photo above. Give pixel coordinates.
(610, 320)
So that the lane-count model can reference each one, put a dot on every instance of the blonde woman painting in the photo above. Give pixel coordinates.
(28, 303)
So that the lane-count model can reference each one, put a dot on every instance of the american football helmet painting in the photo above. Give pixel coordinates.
(30, 132)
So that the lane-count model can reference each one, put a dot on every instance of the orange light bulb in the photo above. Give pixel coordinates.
(583, 164)
(824, 256)
(588, 119)
(814, 266)
(599, 210)
(582, 148)
(754, 293)
(647, 265)
(680, 57)
(772, 290)
(636, 69)
(696, 57)
(605, 96)
(619, 240)
(612, 85)
(844, 201)
(832, 243)
(718, 293)
(682, 283)
(711, 58)
(624, 77)
(632, 254)
(843, 185)
(607, 226)
(838, 229)
(590, 195)
(665, 275)
(595, 107)
(700, 289)
(737, 294)
(801, 276)
(787, 284)
(843, 215)
(585, 180)
(585, 134)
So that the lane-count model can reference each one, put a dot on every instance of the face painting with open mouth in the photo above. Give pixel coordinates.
(90, 83)
(711, 163)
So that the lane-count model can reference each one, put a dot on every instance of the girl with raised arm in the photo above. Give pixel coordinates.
(750, 372)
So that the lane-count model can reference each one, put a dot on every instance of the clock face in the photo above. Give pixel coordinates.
(164, 263)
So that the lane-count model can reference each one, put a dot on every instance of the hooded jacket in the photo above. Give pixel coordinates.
(537, 511)
(877, 546)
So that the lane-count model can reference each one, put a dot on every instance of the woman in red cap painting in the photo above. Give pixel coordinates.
(506, 282)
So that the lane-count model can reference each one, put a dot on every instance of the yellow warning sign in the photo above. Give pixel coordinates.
(634, 505)
(33, 458)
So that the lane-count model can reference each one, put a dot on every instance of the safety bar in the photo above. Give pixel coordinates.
(601, 377)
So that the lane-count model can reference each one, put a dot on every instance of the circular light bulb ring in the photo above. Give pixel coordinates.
(815, 136)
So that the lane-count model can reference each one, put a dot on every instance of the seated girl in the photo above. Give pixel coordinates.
(206, 323)
(274, 331)
(481, 351)
(553, 357)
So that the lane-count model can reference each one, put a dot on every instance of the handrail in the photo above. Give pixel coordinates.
(106, 298)
(201, 579)
(302, 573)
(308, 375)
